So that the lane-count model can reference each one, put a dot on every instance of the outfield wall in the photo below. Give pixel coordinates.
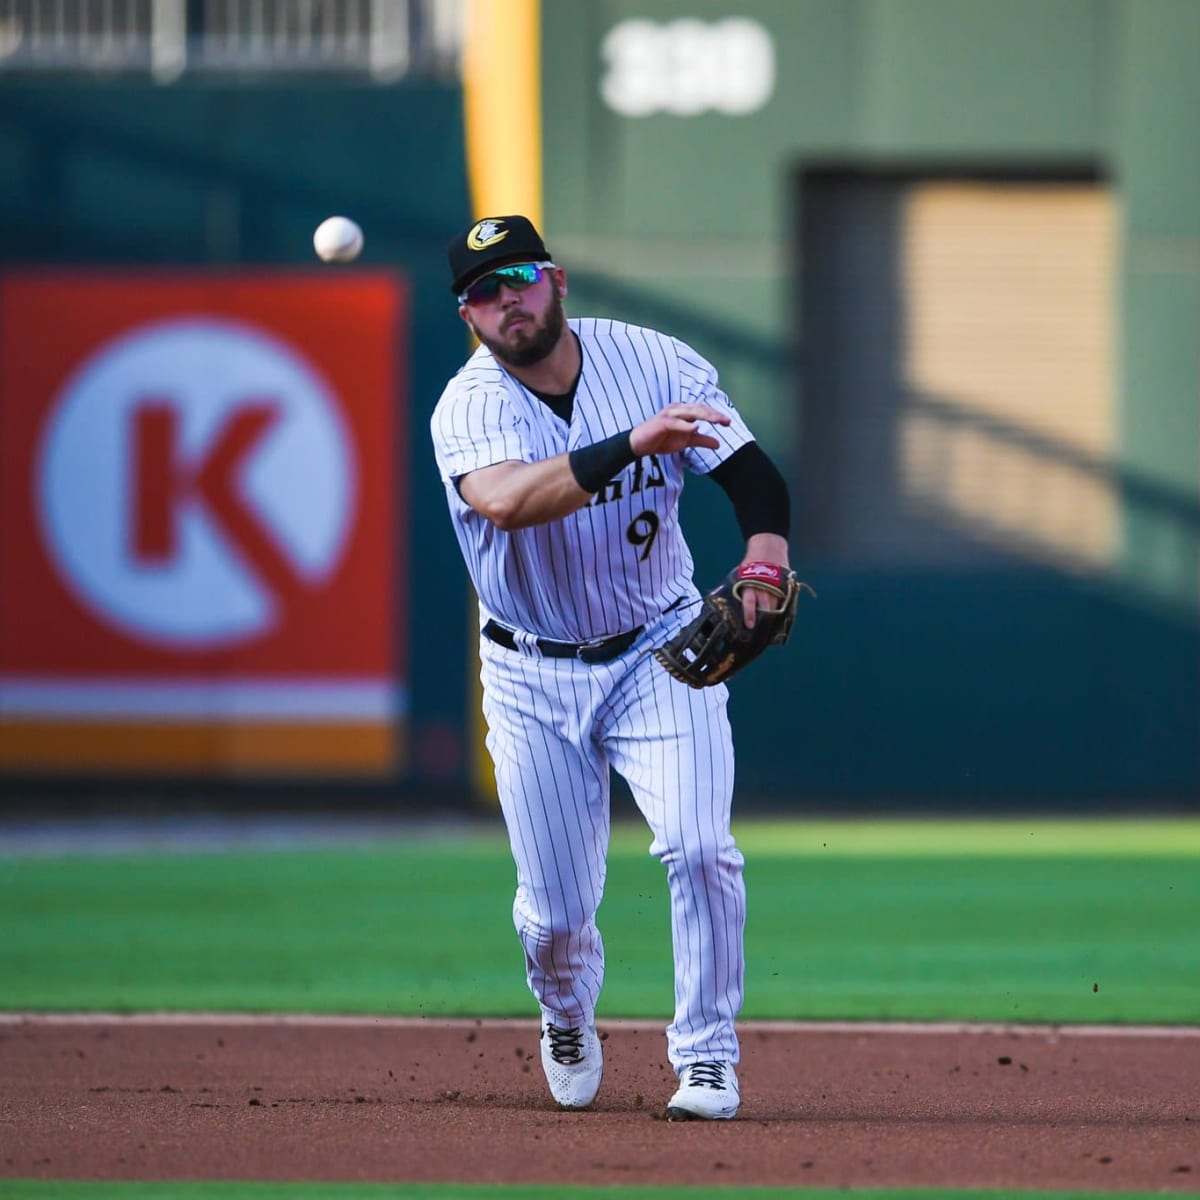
(947, 258)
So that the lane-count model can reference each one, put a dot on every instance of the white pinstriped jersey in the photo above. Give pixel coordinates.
(619, 561)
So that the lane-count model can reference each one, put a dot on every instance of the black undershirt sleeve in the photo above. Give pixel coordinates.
(757, 490)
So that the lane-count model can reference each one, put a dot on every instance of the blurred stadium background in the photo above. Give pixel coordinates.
(946, 256)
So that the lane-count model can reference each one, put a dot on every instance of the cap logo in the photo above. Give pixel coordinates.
(485, 234)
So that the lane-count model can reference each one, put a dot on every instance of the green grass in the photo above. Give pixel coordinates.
(1163, 837)
(1012, 921)
(17, 1189)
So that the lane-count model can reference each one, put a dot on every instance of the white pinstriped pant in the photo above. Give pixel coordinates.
(554, 728)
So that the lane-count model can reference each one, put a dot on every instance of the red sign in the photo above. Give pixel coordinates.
(198, 486)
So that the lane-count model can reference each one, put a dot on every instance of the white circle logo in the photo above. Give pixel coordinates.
(190, 473)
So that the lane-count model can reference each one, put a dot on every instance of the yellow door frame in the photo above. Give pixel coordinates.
(502, 115)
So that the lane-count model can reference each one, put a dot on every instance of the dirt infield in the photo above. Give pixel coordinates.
(211, 1098)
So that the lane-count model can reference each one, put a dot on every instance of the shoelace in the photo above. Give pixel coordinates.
(566, 1045)
(707, 1074)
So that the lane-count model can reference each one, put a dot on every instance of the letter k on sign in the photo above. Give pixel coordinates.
(164, 483)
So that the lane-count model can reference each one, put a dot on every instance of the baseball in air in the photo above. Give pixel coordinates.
(338, 240)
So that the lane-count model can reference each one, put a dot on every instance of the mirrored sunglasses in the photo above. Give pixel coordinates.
(517, 277)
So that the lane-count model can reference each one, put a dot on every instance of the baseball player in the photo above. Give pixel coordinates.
(563, 447)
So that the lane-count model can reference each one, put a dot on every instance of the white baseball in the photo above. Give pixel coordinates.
(338, 239)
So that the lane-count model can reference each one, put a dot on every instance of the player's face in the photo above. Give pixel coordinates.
(522, 321)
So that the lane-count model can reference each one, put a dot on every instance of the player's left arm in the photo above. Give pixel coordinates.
(762, 504)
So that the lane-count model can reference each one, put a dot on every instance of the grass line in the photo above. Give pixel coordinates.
(1020, 837)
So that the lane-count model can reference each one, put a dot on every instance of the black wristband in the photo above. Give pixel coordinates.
(593, 466)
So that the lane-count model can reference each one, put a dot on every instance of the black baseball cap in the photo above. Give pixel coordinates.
(492, 243)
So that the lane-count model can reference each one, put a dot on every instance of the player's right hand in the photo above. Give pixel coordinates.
(676, 428)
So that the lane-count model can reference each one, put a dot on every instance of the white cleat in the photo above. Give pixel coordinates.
(708, 1091)
(574, 1062)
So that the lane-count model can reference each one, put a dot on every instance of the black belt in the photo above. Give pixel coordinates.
(588, 652)
(600, 651)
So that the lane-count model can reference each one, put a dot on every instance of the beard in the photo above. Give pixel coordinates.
(532, 343)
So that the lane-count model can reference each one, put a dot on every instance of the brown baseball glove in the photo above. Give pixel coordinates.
(718, 644)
